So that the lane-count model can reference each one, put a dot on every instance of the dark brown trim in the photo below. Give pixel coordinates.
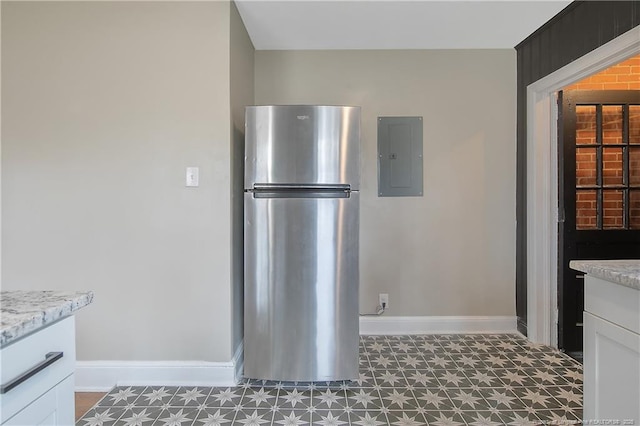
(543, 31)
(522, 326)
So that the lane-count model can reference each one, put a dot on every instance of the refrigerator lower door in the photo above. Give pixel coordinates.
(301, 288)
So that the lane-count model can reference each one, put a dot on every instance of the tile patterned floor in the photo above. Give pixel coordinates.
(444, 380)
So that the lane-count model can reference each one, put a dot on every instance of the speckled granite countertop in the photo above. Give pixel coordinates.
(623, 272)
(22, 312)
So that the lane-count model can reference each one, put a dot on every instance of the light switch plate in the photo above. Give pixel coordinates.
(192, 176)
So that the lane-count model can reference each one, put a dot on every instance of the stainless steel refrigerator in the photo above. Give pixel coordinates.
(302, 176)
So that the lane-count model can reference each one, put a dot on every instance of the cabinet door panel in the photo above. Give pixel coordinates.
(611, 371)
(51, 409)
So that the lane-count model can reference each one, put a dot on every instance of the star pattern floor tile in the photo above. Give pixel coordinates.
(442, 380)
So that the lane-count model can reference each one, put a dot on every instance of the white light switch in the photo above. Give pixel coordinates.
(192, 176)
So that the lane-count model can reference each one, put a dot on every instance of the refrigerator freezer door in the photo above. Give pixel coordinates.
(301, 288)
(306, 144)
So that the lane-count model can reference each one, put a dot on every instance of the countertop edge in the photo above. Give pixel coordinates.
(622, 272)
(45, 317)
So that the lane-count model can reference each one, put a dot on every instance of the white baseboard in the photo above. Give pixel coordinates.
(101, 376)
(437, 325)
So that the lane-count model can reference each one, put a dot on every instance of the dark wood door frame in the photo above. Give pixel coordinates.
(599, 242)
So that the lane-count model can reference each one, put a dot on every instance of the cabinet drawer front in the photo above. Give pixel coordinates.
(21, 356)
(55, 407)
(613, 302)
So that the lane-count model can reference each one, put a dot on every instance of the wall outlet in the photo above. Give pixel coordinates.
(383, 300)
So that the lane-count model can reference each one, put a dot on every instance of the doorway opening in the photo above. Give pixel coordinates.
(542, 180)
(598, 185)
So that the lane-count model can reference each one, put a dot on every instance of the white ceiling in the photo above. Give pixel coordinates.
(393, 24)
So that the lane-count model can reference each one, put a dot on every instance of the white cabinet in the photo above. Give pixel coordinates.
(611, 352)
(55, 407)
(46, 397)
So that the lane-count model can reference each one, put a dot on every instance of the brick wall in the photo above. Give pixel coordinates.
(624, 76)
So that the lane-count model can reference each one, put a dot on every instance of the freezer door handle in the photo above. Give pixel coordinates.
(275, 187)
(285, 190)
(301, 194)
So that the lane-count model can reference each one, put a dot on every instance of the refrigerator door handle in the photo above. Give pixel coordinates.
(301, 194)
(300, 191)
(275, 187)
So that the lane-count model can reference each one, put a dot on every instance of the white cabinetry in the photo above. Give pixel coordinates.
(46, 397)
(611, 352)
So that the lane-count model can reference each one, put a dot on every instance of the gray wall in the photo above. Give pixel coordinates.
(104, 104)
(242, 80)
(450, 252)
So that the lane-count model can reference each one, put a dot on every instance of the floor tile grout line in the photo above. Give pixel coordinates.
(346, 405)
(237, 407)
(415, 398)
(377, 388)
(413, 389)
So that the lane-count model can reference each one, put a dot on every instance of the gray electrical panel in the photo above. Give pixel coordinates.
(399, 156)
